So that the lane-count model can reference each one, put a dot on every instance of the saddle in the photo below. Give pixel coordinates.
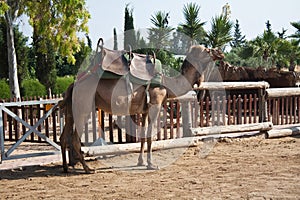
(142, 66)
(122, 63)
(114, 61)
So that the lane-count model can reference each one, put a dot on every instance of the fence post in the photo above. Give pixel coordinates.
(1, 136)
(262, 105)
(186, 118)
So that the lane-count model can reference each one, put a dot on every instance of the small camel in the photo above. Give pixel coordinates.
(111, 95)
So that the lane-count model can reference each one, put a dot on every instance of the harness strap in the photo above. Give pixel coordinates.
(129, 87)
(147, 93)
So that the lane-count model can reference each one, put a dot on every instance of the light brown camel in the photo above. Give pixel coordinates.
(112, 96)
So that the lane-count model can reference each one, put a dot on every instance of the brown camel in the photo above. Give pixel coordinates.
(116, 97)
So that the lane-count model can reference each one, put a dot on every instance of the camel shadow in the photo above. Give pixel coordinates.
(35, 171)
(56, 170)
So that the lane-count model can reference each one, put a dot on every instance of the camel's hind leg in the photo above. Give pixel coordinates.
(65, 144)
(70, 140)
(76, 144)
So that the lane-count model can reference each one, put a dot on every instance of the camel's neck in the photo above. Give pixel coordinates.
(180, 84)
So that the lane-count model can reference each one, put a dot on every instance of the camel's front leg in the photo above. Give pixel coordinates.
(143, 140)
(152, 129)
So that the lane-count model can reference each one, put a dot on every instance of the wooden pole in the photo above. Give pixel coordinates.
(135, 147)
(233, 85)
(283, 132)
(231, 129)
(260, 105)
(280, 92)
(117, 149)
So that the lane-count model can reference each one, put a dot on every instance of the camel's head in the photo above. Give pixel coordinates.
(198, 60)
(215, 53)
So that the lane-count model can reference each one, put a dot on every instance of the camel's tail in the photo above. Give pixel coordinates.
(67, 97)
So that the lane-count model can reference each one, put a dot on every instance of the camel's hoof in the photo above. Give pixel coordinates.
(141, 163)
(65, 169)
(152, 167)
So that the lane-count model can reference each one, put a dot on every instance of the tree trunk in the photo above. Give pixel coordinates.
(12, 59)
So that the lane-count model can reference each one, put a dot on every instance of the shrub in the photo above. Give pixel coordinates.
(32, 87)
(4, 90)
(62, 84)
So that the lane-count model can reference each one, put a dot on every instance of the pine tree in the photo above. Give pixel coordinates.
(238, 38)
(115, 40)
(129, 33)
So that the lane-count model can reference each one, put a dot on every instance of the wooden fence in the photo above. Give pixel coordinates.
(31, 114)
(254, 103)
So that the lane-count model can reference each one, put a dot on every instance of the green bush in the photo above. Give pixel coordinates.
(32, 87)
(4, 90)
(62, 84)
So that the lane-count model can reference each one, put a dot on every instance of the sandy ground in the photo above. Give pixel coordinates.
(249, 168)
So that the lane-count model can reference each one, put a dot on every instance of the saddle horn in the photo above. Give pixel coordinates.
(130, 52)
(100, 44)
(98, 57)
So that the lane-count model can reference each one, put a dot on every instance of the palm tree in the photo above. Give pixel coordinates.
(267, 45)
(296, 35)
(294, 57)
(220, 33)
(193, 27)
(159, 34)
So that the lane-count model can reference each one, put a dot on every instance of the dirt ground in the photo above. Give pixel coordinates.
(249, 168)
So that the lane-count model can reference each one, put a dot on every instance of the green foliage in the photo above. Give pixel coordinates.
(59, 21)
(246, 51)
(22, 51)
(193, 27)
(238, 38)
(62, 83)
(170, 65)
(64, 68)
(267, 50)
(32, 87)
(129, 33)
(266, 45)
(160, 33)
(45, 60)
(296, 35)
(5, 91)
(220, 33)
(3, 7)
